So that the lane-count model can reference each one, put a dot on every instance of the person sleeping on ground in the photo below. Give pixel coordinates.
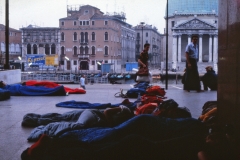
(23, 90)
(56, 124)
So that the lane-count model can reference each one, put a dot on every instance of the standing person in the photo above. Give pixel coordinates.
(143, 59)
(209, 79)
(192, 80)
(143, 62)
(82, 82)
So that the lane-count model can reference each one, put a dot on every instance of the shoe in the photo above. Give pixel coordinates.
(187, 90)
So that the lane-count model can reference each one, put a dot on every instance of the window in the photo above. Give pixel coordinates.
(86, 50)
(83, 23)
(62, 36)
(81, 50)
(62, 23)
(106, 50)
(93, 62)
(146, 34)
(53, 49)
(106, 36)
(80, 23)
(29, 49)
(173, 22)
(75, 36)
(82, 37)
(87, 23)
(75, 50)
(93, 50)
(74, 23)
(105, 22)
(86, 37)
(15, 34)
(106, 61)
(62, 50)
(74, 62)
(93, 36)
(86, 12)
(47, 49)
(93, 23)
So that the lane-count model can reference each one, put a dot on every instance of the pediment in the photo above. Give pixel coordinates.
(195, 24)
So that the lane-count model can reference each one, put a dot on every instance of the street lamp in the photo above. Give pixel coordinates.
(142, 24)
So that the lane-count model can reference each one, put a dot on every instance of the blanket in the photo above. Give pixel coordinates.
(22, 90)
(142, 137)
(49, 84)
(87, 105)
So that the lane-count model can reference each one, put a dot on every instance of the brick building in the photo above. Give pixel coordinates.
(14, 44)
(89, 38)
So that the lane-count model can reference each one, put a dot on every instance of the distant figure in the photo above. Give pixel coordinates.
(92, 79)
(209, 79)
(82, 82)
(192, 81)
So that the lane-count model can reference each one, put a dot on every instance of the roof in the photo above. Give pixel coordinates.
(2, 27)
(192, 7)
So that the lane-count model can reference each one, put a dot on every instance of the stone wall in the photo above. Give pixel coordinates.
(11, 76)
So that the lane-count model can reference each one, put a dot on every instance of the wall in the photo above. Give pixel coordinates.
(11, 76)
(229, 67)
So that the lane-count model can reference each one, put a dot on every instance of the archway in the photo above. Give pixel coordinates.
(84, 65)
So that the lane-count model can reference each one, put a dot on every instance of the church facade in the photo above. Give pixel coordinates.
(187, 18)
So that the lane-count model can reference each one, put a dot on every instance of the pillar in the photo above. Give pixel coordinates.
(179, 48)
(189, 38)
(228, 95)
(174, 52)
(215, 53)
(210, 48)
(200, 48)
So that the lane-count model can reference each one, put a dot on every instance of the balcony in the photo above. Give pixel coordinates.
(83, 56)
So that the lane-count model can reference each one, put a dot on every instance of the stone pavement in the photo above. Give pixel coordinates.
(13, 137)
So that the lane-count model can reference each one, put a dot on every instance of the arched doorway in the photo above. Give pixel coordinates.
(84, 65)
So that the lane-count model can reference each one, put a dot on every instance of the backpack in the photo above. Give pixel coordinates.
(156, 90)
(145, 99)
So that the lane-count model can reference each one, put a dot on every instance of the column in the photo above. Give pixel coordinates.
(210, 48)
(200, 48)
(174, 52)
(31, 48)
(189, 38)
(179, 48)
(215, 52)
(50, 49)
(38, 49)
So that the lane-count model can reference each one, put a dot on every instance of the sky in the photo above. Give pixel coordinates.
(46, 13)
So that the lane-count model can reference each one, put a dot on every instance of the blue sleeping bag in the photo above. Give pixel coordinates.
(21, 90)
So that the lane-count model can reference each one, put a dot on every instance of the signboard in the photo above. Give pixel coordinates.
(51, 60)
(35, 59)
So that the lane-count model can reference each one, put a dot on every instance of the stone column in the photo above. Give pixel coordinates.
(50, 49)
(179, 48)
(189, 38)
(31, 48)
(210, 48)
(200, 48)
(215, 53)
(215, 48)
(174, 52)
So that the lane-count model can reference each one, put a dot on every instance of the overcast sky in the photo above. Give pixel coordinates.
(46, 13)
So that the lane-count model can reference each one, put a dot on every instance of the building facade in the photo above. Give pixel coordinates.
(190, 17)
(149, 34)
(15, 44)
(40, 41)
(90, 38)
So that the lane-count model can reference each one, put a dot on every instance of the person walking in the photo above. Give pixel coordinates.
(82, 82)
(192, 80)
